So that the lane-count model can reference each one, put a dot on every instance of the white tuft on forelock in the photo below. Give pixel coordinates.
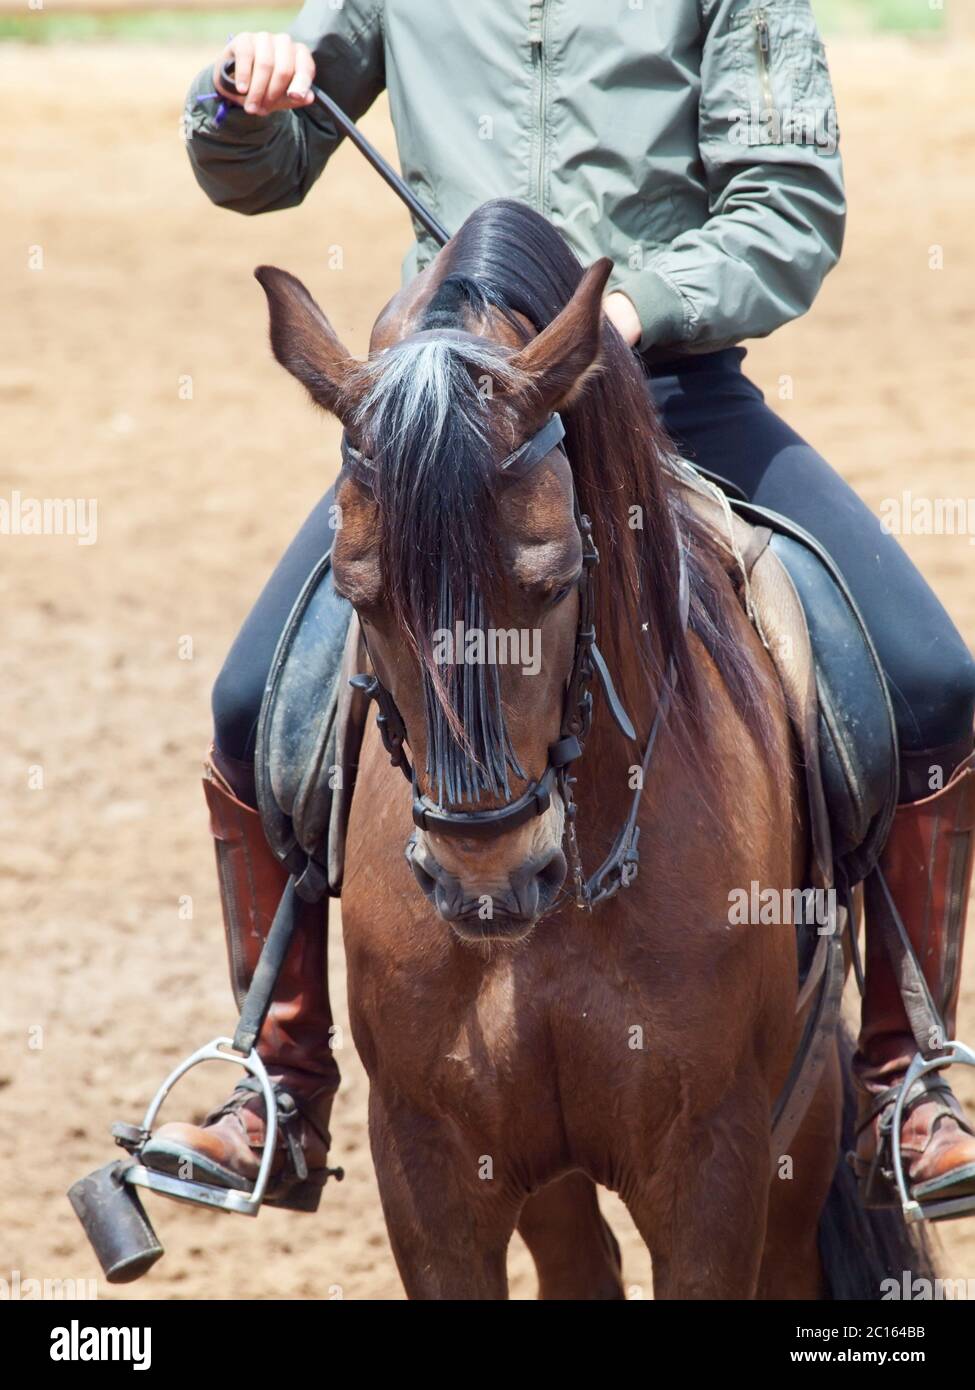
(419, 386)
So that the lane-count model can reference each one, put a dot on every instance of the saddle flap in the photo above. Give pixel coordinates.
(786, 636)
(298, 769)
(858, 750)
(351, 717)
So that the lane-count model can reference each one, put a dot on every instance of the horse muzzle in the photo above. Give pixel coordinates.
(490, 913)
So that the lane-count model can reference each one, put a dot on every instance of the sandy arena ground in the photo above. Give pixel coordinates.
(111, 648)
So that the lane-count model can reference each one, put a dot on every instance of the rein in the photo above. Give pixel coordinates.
(385, 171)
(620, 867)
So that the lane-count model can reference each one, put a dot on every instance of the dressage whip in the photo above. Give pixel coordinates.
(385, 171)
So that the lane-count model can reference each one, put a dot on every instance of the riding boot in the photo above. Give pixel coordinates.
(294, 1042)
(927, 868)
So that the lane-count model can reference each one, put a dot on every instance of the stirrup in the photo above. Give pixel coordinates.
(134, 1137)
(913, 1210)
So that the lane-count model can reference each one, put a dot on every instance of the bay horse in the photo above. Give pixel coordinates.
(521, 1051)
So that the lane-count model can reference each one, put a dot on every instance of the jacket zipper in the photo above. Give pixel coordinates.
(537, 33)
(764, 44)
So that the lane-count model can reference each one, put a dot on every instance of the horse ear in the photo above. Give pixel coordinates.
(562, 356)
(306, 345)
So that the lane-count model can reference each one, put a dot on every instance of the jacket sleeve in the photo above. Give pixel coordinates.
(258, 164)
(768, 148)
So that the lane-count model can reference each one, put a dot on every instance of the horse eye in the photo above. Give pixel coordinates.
(559, 594)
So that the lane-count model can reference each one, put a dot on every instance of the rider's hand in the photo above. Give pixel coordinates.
(618, 308)
(271, 73)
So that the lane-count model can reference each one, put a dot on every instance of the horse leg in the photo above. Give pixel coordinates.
(449, 1222)
(575, 1252)
(801, 1178)
(703, 1212)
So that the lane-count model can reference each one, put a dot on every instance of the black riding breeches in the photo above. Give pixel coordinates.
(718, 419)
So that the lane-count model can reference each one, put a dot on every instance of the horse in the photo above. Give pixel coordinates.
(530, 1030)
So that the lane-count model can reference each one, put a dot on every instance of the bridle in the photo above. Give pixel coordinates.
(620, 866)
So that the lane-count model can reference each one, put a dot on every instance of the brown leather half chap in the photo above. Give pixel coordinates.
(927, 863)
(297, 1031)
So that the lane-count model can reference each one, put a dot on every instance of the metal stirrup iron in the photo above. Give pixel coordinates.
(106, 1202)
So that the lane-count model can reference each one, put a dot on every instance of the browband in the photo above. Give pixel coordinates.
(515, 466)
(542, 442)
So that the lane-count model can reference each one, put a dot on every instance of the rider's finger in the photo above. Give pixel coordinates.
(299, 88)
(284, 71)
(241, 49)
(261, 75)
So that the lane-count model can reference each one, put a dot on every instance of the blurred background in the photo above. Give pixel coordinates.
(135, 371)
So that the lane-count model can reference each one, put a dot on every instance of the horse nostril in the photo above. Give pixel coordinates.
(534, 886)
(551, 876)
(426, 879)
(442, 888)
(448, 898)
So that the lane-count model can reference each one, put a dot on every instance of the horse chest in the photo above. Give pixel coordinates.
(553, 1054)
(546, 1067)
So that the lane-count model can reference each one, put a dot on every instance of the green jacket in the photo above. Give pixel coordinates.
(693, 141)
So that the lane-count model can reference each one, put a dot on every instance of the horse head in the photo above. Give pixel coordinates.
(463, 550)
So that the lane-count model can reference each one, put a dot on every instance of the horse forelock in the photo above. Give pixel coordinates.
(424, 419)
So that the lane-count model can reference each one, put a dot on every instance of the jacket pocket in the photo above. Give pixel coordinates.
(811, 85)
(780, 70)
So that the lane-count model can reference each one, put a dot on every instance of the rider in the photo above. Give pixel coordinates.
(694, 143)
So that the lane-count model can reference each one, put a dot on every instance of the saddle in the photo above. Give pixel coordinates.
(312, 720)
(834, 686)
